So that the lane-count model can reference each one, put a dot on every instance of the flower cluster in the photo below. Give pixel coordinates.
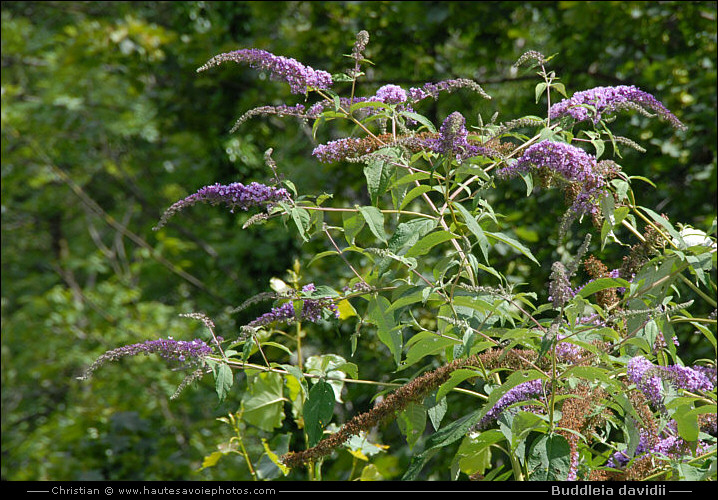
(566, 351)
(648, 378)
(668, 444)
(234, 195)
(452, 140)
(300, 78)
(608, 100)
(559, 288)
(517, 394)
(340, 149)
(390, 94)
(182, 351)
(312, 310)
(573, 164)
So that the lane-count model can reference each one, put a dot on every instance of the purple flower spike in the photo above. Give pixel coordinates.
(648, 378)
(609, 100)
(338, 150)
(311, 311)
(521, 392)
(453, 139)
(300, 78)
(667, 444)
(391, 94)
(182, 351)
(641, 372)
(572, 163)
(235, 195)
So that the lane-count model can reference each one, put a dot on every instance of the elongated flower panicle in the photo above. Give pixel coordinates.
(517, 394)
(341, 149)
(452, 140)
(189, 353)
(649, 377)
(312, 311)
(608, 100)
(391, 94)
(301, 78)
(559, 289)
(667, 444)
(234, 195)
(573, 164)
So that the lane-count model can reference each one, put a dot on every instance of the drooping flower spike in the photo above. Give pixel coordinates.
(453, 139)
(649, 377)
(608, 100)
(312, 310)
(301, 78)
(188, 353)
(234, 195)
(520, 393)
(573, 164)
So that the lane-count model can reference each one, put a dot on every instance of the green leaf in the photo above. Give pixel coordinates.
(353, 223)
(457, 376)
(211, 460)
(421, 119)
(560, 88)
(274, 458)
(408, 233)
(302, 220)
(426, 344)
(411, 295)
(436, 410)
(371, 473)
(513, 243)
(378, 175)
(474, 452)
(318, 411)
(263, 403)
(529, 181)
(346, 309)
(320, 256)
(602, 284)
(335, 368)
(375, 220)
(593, 373)
(387, 329)
(686, 422)
(475, 229)
(424, 245)
(367, 104)
(549, 458)
(417, 191)
(539, 90)
(278, 346)
(412, 422)
(443, 437)
(224, 378)
(406, 179)
(663, 223)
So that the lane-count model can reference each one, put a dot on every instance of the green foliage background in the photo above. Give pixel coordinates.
(105, 124)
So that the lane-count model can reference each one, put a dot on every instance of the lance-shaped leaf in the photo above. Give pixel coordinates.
(375, 220)
(318, 411)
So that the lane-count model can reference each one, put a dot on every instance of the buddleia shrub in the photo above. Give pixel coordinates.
(576, 378)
